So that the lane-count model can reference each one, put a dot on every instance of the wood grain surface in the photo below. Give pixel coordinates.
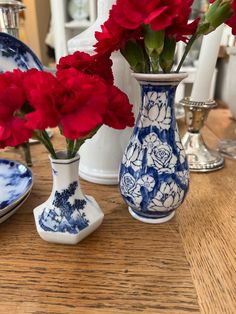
(186, 265)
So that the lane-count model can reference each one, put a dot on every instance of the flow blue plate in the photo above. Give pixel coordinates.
(16, 181)
(14, 54)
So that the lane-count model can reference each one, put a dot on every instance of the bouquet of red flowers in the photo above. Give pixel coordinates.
(146, 32)
(78, 100)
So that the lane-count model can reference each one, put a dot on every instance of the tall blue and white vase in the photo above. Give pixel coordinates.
(154, 175)
(68, 216)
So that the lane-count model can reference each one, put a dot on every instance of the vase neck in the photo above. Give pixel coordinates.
(64, 172)
(157, 105)
(155, 95)
(158, 89)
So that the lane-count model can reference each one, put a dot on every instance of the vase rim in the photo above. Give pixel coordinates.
(62, 158)
(160, 77)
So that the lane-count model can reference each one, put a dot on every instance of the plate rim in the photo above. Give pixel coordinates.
(27, 48)
(18, 204)
(11, 212)
(29, 188)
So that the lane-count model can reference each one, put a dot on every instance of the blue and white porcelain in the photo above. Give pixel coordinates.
(14, 54)
(16, 181)
(154, 175)
(68, 216)
(5, 214)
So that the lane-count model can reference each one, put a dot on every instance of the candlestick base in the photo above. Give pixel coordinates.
(200, 157)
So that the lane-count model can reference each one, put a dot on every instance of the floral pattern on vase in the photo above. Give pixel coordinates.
(154, 175)
(68, 215)
(156, 110)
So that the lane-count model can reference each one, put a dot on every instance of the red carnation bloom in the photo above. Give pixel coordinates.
(14, 132)
(83, 104)
(96, 64)
(113, 37)
(127, 17)
(42, 92)
(13, 129)
(179, 27)
(158, 14)
(12, 94)
(119, 114)
(232, 21)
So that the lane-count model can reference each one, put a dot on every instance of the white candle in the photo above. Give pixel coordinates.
(206, 65)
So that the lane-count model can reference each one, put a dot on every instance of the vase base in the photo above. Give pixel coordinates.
(151, 220)
(107, 178)
(96, 218)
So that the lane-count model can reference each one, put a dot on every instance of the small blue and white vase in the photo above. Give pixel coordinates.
(154, 174)
(68, 216)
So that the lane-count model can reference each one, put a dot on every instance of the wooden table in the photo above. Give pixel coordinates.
(184, 266)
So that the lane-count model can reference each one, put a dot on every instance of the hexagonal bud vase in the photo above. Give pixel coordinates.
(68, 216)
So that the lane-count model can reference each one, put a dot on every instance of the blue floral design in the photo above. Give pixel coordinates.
(17, 54)
(64, 216)
(154, 174)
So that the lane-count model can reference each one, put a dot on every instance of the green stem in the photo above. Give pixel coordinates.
(40, 137)
(77, 145)
(187, 49)
(27, 153)
(154, 64)
(70, 148)
(49, 143)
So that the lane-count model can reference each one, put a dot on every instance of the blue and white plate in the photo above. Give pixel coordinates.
(5, 215)
(16, 181)
(14, 54)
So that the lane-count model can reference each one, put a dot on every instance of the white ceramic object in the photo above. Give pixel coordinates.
(101, 156)
(78, 9)
(85, 40)
(68, 216)
(226, 85)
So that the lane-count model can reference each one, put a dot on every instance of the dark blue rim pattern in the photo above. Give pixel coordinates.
(17, 45)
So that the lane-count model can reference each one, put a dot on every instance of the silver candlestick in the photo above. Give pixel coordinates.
(9, 16)
(200, 157)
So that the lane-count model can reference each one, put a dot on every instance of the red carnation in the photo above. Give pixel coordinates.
(119, 114)
(14, 132)
(12, 94)
(180, 28)
(127, 17)
(232, 21)
(42, 92)
(159, 14)
(93, 65)
(113, 37)
(83, 104)
(13, 129)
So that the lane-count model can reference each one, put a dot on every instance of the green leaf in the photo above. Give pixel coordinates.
(154, 44)
(154, 41)
(135, 55)
(167, 55)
